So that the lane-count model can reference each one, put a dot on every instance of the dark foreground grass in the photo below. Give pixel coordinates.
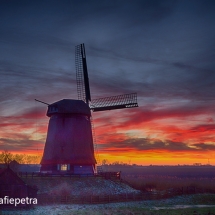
(142, 211)
(169, 211)
(209, 210)
(203, 199)
(151, 182)
(117, 209)
(198, 204)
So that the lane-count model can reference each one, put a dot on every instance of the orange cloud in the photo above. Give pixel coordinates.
(145, 135)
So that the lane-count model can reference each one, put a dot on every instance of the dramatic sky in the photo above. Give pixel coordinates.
(162, 50)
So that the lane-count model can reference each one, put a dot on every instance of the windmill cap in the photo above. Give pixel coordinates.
(68, 106)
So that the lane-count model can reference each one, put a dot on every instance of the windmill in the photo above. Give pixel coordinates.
(69, 144)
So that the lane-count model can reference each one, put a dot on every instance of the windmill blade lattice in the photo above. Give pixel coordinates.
(114, 102)
(82, 74)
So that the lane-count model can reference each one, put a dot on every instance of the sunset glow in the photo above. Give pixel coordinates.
(148, 139)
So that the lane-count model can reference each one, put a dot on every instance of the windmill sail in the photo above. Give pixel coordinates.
(114, 102)
(83, 87)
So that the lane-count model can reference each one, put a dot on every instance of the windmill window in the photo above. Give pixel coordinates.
(53, 109)
(63, 167)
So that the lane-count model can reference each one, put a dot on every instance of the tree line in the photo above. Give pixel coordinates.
(6, 157)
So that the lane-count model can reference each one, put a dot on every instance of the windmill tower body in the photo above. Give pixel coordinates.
(69, 144)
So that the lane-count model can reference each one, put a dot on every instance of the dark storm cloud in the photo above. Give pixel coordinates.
(136, 117)
(163, 50)
(203, 128)
(127, 33)
(144, 144)
(19, 145)
(204, 147)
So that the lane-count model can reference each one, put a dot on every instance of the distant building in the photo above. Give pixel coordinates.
(14, 165)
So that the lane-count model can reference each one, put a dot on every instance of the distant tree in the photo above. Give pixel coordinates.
(116, 163)
(6, 157)
(20, 158)
(105, 162)
(119, 163)
(33, 159)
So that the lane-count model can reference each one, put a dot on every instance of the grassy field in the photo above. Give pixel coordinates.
(168, 182)
(123, 210)
(198, 204)
(142, 211)
(195, 204)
